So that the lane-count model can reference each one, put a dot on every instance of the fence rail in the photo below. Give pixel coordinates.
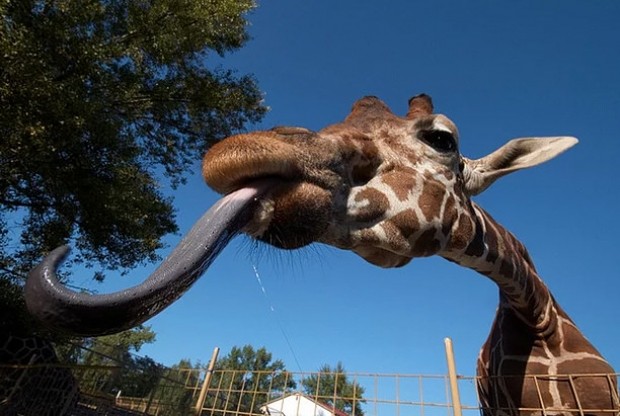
(82, 390)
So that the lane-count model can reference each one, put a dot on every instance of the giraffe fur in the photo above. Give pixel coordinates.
(393, 188)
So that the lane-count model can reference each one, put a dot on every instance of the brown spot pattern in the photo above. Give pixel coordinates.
(375, 208)
(426, 244)
(492, 243)
(431, 198)
(406, 222)
(461, 236)
(402, 182)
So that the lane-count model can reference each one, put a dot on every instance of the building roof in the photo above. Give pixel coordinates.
(265, 408)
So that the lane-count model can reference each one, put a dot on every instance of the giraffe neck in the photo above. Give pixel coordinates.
(496, 253)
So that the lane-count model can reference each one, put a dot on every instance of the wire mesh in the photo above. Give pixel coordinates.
(237, 392)
(54, 390)
(586, 394)
(86, 389)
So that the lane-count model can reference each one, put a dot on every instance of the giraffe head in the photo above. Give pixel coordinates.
(388, 188)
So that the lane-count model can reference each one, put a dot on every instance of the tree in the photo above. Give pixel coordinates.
(332, 386)
(173, 394)
(109, 348)
(100, 99)
(246, 379)
(138, 377)
(130, 374)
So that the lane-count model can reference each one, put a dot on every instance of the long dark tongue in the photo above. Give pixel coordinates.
(92, 315)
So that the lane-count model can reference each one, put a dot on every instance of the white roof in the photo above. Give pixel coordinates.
(298, 404)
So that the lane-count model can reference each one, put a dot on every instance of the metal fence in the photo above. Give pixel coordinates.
(53, 390)
(83, 389)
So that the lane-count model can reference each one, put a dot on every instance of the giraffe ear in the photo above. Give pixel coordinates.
(517, 154)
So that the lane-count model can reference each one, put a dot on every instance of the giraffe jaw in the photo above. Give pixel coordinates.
(380, 257)
(291, 215)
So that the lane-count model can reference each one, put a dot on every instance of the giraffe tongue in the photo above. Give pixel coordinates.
(91, 315)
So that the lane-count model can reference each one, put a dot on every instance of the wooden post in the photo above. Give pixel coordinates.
(454, 387)
(205, 385)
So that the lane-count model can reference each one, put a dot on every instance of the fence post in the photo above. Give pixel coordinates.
(454, 387)
(205, 385)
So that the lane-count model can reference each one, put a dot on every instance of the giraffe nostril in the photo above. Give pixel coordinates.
(362, 173)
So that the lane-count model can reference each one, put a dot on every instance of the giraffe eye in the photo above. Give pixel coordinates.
(440, 140)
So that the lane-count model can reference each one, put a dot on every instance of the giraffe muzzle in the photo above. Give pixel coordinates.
(82, 314)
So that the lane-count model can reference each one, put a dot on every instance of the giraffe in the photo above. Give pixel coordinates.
(389, 189)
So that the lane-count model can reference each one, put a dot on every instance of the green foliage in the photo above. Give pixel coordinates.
(332, 386)
(107, 365)
(246, 379)
(130, 374)
(99, 99)
(137, 378)
(117, 345)
(11, 304)
(173, 391)
(137, 375)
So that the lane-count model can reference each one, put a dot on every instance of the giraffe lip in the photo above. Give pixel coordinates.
(241, 160)
(289, 214)
(264, 183)
(269, 185)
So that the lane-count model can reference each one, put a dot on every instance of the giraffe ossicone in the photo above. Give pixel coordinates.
(390, 189)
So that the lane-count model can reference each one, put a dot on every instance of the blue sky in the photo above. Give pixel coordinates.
(499, 70)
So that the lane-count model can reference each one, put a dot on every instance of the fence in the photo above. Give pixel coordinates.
(43, 390)
(85, 389)
(238, 392)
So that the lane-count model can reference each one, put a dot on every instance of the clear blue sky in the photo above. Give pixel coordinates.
(498, 69)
